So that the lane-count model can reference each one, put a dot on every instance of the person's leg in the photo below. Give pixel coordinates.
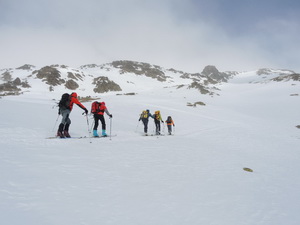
(103, 125)
(170, 129)
(145, 122)
(96, 120)
(65, 120)
(157, 127)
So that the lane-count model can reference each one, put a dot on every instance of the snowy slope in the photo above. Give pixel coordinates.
(193, 177)
(133, 77)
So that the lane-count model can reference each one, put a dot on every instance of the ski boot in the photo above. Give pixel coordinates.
(66, 134)
(95, 133)
(60, 131)
(104, 133)
(60, 134)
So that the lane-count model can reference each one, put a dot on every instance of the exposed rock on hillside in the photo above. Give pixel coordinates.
(6, 76)
(26, 67)
(17, 81)
(138, 68)
(75, 76)
(190, 75)
(71, 84)
(203, 90)
(12, 87)
(49, 75)
(88, 66)
(59, 66)
(265, 71)
(294, 77)
(103, 84)
(213, 73)
(110, 76)
(195, 104)
(9, 87)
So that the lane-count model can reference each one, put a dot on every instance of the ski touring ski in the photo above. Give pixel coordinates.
(81, 137)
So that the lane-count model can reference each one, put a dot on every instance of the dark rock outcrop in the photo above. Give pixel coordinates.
(103, 84)
(50, 76)
(71, 84)
(138, 68)
(213, 73)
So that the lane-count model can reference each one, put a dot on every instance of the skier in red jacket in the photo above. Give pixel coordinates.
(98, 109)
(65, 107)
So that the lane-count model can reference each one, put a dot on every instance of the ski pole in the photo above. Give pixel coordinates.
(137, 126)
(92, 125)
(110, 127)
(88, 126)
(55, 122)
(153, 124)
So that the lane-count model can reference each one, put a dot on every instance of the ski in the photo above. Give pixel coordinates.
(151, 135)
(80, 137)
(57, 137)
(103, 136)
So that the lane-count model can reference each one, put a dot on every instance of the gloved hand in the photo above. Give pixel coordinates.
(110, 115)
(86, 111)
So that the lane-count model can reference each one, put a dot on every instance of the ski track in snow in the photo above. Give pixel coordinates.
(193, 177)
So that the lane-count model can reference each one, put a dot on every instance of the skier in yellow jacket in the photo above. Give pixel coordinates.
(157, 120)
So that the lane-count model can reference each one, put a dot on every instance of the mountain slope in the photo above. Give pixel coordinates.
(119, 76)
(193, 177)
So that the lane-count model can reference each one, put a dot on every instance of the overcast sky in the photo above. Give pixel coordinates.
(180, 34)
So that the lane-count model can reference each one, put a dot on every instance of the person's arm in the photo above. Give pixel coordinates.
(161, 119)
(106, 111)
(77, 102)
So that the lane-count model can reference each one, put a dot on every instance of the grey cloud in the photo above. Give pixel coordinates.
(185, 35)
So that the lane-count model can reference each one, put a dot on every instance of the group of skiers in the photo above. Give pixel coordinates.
(65, 107)
(145, 115)
(98, 109)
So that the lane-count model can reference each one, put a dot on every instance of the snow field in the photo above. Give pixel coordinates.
(193, 177)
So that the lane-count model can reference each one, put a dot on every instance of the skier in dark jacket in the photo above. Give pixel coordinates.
(145, 119)
(65, 108)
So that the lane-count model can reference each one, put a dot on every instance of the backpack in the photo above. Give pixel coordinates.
(144, 114)
(169, 119)
(64, 102)
(157, 115)
(95, 107)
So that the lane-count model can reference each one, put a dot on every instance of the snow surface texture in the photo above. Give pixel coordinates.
(194, 177)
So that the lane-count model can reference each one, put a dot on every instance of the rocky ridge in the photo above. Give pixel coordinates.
(107, 78)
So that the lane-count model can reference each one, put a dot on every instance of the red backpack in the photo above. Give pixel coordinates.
(95, 107)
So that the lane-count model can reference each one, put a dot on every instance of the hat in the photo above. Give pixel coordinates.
(74, 94)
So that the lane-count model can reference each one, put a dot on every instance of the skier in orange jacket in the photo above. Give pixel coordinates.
(169, 123)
